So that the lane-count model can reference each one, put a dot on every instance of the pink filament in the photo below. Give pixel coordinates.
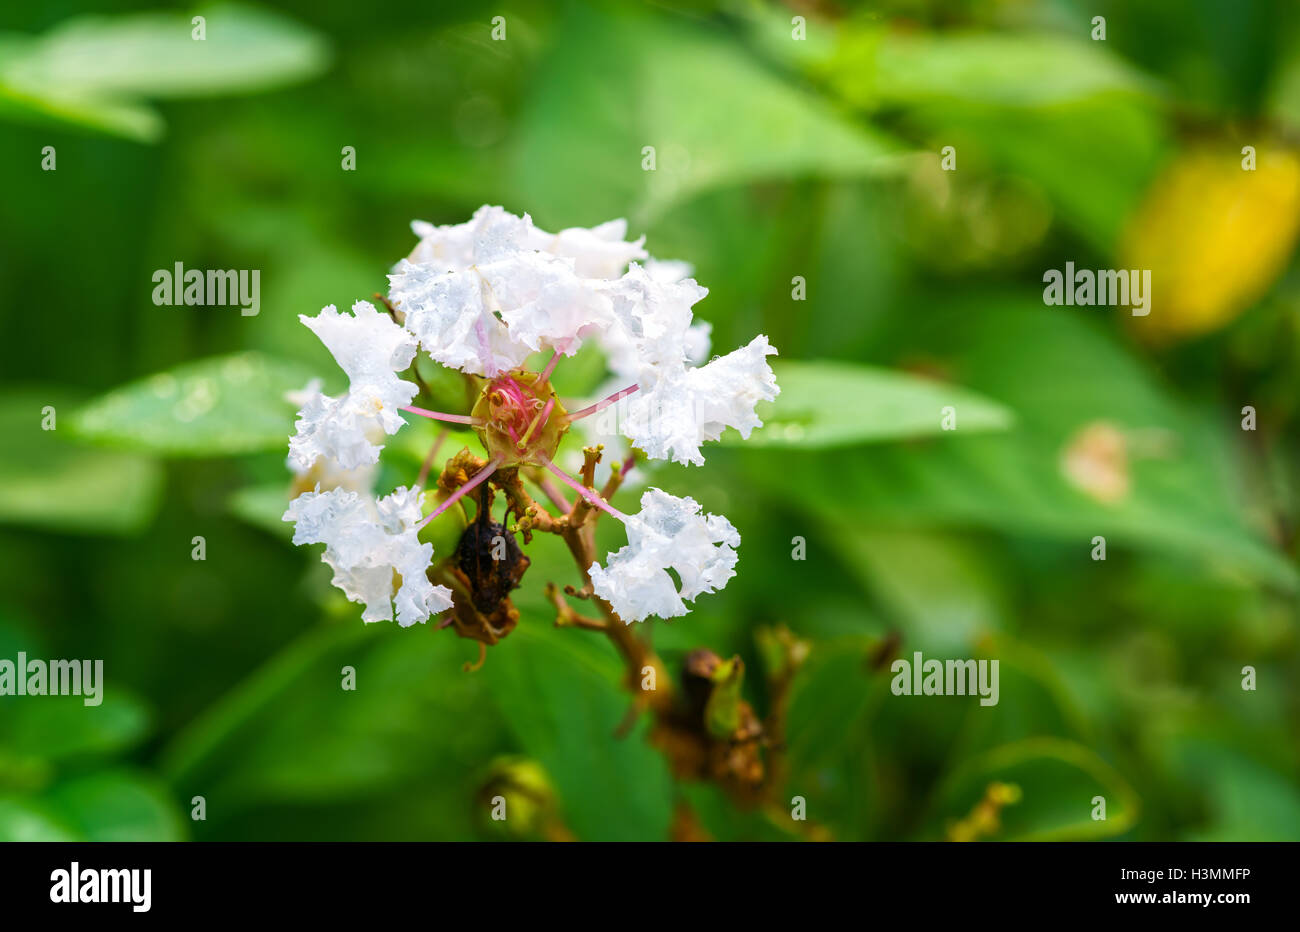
(510, 388)
(550, 366)
(601, 405)
(460, 493)
(439, 416)
(589, 494)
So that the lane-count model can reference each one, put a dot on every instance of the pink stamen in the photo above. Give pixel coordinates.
(602, 405)
(589, 494)
(550, 366)
(460, 493)
(428, 460)
(512, 391)
(439, 416)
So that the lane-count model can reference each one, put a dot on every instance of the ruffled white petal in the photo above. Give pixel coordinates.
(668, 270)
(371, 349)
(490, 234)
(655, 317)
(623, 357)
(684, 408)
(599, 252)
(544, 301)
(493, 233)
(450, 313)
(337, 430)
(728, 388)
(325, 471)
(699, 340)
(480, 296)
(374, 549)
(668, 532)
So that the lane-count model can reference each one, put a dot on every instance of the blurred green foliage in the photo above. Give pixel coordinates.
(776, 158)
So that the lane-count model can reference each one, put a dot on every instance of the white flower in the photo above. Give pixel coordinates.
(668, 270)
(655, 317)
(655, 343)
(668, 532)
(448, 313)
(373, 548)
(333, 430)
(482, 295)
(599, 252)
(326, 472)
(544, 302)
(623, 360)
(684, 407)
(371, 349)
(491, 233)
(622, 344)
(488, 318)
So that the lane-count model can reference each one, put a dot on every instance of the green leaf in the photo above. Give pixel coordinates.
(1068, 115)
(873, 67)
(1059, 780)
(1093, 158)
(26, 819)
(671, 87)
(218, 406)
(830, 733)
(1061, 372)
(1247, 801)
(49, 482)
(108, 806)
(93, 71)
(54, 728)
(827, 404)
(561, 697)
(155, 54)
(938, 586)
(117, 806)
(291, 732)
(263, 506)
(725, 821)
(55, 106)
(829, 702)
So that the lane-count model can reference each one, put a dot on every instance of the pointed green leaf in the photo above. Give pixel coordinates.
(833, 404)
(218, 406)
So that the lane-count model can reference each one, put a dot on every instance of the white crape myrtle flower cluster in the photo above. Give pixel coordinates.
(482, 297)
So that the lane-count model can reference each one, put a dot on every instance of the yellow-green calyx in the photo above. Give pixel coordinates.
(521, 419)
